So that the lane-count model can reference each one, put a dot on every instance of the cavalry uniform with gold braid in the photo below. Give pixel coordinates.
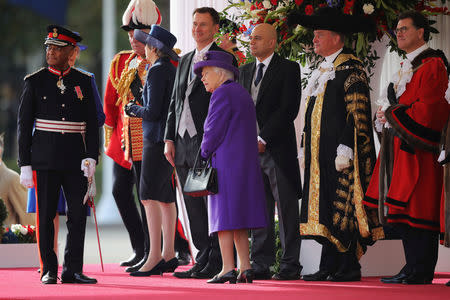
(124, 142)
(332, 210)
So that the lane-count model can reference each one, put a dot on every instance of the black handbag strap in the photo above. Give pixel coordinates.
(208, 162)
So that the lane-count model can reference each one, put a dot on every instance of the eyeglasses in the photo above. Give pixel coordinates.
(401, 30)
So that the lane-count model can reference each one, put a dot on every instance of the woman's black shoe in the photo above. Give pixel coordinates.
(246, 277)
(230, 276)
(156, 270)
(170, 265)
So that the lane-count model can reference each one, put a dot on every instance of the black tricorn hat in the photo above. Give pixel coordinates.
(330, 18)
(60, 36)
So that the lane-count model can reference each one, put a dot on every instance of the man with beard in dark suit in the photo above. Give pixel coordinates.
(274, 84)
(183, 136)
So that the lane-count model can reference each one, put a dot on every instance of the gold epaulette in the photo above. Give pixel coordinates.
(84, 72)
(114, 68)
(342, 58)
(34, 73)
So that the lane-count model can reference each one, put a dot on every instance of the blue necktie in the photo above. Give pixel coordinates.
(259, 75)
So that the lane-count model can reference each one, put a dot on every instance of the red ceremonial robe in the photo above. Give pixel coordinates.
(415, 191)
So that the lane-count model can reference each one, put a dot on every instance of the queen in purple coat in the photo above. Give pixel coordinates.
(230, 138)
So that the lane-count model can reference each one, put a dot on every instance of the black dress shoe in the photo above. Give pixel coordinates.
(184, 258)
(229, 276)
(170, 265)
(49, 278)
(320, 275)
(207, 272)
(417, 279)
(137, 266)
(188, 273)
(394, 279)
(77, 278)
(286, 276)
(262, 274)
(353, 275)
(156, 270)
(448, 283)
(246, 277)
(134, 259)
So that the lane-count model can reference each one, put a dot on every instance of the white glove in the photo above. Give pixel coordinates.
(91, 192)
(341, 162)
(88, 167)
(26, 176)
(440, 158)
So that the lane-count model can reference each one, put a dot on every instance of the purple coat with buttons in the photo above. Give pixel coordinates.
(230, 137)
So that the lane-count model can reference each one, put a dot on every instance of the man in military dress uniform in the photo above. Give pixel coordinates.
(59, 101)
(123, 134)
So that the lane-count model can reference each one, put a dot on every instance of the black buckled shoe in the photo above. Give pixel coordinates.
(352, 275)
(207, 272)
(395, 279)
(134, 259)
(188, 273)
(77, 278)
(320, 275)
(49, 278)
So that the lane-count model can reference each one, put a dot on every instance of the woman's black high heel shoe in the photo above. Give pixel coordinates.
(230, 276)
(170, 265)
(246, 277)
(156, 270)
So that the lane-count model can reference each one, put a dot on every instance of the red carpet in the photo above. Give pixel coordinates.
(114, 283)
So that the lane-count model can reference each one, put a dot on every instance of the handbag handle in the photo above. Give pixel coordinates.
(208, 162)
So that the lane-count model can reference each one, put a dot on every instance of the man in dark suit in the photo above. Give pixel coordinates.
(59, 102)
(183, 136)
(274, 84)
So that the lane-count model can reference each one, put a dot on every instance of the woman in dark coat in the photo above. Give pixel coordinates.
(156, 189)
(230, 138)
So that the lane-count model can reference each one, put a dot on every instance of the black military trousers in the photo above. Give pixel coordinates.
(186, 149)
(74, 185)
(123, 183)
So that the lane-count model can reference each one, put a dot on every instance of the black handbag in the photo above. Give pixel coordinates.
(201, 180)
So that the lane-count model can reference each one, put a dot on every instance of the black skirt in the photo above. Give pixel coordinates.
(156, 174)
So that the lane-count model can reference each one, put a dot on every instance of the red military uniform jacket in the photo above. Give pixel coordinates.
(419, 117)
(123, 134)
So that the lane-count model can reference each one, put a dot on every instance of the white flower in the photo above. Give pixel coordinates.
(254, 13)
(15, 227)
(298, 29)
(368, 8)
(267, 4)
(23, 230)
(32, 227)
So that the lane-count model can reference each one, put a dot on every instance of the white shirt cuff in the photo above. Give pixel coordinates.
(343, 150)
(260, 139)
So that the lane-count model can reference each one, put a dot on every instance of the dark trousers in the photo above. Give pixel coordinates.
(421, 250)
(333, 261)
(186, 149)
(74, 185)
(123, 184)
(278, 191)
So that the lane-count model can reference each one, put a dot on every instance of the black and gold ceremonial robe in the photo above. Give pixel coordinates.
(332, 210)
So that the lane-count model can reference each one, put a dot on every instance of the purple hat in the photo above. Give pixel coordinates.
(219, 59)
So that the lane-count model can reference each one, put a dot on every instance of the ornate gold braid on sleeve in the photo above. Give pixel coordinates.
(126, 78)
(108, 133)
